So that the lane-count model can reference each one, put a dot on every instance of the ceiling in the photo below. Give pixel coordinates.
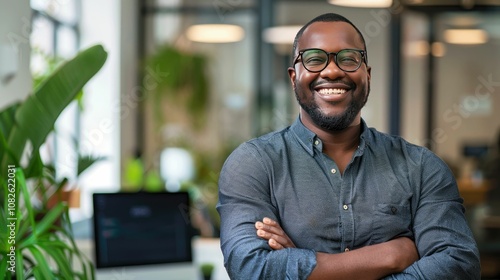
(458, 3)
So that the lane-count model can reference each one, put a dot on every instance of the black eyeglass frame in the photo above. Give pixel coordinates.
(362, 52)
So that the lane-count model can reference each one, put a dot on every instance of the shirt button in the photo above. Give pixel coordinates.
(346, 250)
(345, 207)
(316, 142)
(333, 170)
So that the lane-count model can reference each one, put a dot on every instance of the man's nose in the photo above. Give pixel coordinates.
(331, 70)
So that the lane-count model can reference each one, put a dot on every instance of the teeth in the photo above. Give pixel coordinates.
(328, 91)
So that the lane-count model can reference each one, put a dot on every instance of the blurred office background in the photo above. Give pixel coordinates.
(173, 99)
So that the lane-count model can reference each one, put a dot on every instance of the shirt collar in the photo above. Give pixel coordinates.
(365, 138)
(306, 137)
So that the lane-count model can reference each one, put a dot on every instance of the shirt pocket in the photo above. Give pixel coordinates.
(390, 221)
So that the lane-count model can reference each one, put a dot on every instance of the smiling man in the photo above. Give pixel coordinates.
(330, 198)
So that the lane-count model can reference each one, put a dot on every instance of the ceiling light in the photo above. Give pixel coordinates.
(281, 34)
(465, 36)
(215, 33)
(421, 48)
(362, 3)
(416, 48)
(464, 21)
(438, 49)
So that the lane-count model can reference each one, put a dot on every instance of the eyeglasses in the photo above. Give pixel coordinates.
(315, 60)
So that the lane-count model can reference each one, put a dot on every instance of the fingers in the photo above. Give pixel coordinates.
(275, 245)
(274, 234)
(270, 236)
(276, 242)
(269, 226)
(270, 222)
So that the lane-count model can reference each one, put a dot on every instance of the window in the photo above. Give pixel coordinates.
(60, 28)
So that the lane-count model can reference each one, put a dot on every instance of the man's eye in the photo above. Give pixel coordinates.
(348, 60)
(315, 60)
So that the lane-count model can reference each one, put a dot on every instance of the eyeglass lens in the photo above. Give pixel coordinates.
(315, 60)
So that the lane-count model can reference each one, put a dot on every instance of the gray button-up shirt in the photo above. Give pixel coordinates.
(390, 188)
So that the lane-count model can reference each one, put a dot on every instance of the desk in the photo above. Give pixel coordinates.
(204, 250)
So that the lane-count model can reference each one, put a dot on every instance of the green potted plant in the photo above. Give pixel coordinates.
(181, 78)
(37, 240)
(206, 270)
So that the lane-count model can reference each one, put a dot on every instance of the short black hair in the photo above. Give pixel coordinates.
(328, 17)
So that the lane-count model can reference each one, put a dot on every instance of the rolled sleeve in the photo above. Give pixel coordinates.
(443, 238)
(244, 198)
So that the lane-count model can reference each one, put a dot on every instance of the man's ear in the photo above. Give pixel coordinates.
(369, 78)
(291, 75)
(369, 71)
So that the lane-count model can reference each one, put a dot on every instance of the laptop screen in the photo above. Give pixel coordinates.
(141, 228)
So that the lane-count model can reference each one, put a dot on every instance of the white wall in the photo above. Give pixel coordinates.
(15, 50)
(100, 123)
(109, 127)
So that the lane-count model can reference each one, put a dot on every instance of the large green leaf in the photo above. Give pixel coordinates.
(31, 121)
(85, 162)
(36, 116)
(7, 117)
(20, 260)
(3, 267)
(49, 219)
(60, 258)
(42, 269)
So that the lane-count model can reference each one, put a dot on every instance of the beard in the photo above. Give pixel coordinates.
(336, 122)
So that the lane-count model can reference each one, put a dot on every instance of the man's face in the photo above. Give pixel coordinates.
(330, 99)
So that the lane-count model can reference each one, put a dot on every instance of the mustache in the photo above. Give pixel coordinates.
(336, 81)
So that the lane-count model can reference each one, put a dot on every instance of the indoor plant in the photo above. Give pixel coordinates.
(206, 270)
(177, 88)
(38, 241)
(181, 78)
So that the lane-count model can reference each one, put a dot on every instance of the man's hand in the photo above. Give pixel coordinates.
(271, 231)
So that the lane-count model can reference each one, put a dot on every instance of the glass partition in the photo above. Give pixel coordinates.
(451, 103)
(229, 69)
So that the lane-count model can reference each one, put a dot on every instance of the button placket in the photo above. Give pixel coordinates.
(347, 211)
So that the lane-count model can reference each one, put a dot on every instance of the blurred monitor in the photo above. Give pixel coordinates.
(475, 150)
(141, 228)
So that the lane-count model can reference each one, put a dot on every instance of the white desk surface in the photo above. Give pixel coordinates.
(204, 250)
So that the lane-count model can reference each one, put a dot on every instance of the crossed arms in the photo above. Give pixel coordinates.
(370, 262)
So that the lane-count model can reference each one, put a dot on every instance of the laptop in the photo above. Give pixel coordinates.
(133, 229)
